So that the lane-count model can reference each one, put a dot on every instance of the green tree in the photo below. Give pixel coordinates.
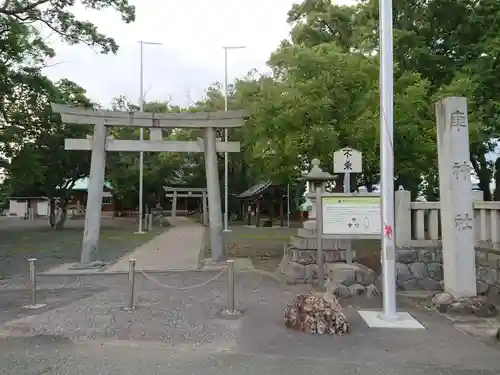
(20, 19)
(23, 47)
(30, 134)
(160, 169)
(321, 98)
(35, 143)
(453, 45)
(4, 195)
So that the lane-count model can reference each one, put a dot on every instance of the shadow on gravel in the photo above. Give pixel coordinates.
(12, 302)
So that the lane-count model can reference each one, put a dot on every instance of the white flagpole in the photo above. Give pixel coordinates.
(387, 161)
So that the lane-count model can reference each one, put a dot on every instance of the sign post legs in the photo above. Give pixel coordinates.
(347, 160)
(319, 238)
(347, 190)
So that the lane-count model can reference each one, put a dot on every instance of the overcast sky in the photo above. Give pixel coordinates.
(191, 57)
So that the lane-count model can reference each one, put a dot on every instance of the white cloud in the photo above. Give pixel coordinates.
(191, 57)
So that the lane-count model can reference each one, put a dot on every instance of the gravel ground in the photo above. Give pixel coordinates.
(180, 332)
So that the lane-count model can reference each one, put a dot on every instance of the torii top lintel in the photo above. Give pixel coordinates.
(184, 189)
(78, 115)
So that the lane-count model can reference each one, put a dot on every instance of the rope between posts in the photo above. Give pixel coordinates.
(152, 279)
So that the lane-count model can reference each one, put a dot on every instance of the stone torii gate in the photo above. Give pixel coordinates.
(155, 122)
(177, 192)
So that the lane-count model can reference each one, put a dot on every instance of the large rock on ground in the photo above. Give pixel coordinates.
(478, 306)
(349, 274)
(316, 314)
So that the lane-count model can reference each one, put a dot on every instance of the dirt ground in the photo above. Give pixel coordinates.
(265, 246)
(22, 239)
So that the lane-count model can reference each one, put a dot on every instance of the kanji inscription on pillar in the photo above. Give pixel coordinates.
(455, 192)
(458, 120)
(461, 170)
(463, 222)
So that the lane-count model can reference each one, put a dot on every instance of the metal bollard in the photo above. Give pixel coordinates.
(131, 284)
(33, 280)
(230, 289)
(33, 304)
(230, 312)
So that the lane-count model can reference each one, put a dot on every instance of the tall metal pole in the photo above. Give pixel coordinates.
(387, 161)
(226, 156)
(141, 132)
(141, 137)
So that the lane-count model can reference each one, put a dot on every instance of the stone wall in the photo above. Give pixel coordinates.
(416, 269)
(423, 269)
(299, 266)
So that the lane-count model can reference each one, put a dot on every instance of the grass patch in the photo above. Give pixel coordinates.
(264, 246)
(53, 247)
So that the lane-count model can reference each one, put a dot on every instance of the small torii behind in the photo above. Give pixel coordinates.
(181, 192)
(155, 122)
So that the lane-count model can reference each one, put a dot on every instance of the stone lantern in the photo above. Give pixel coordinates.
(299, 262)
(316, 177)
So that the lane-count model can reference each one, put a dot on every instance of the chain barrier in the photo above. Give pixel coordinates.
(230, 311)
(155, 281)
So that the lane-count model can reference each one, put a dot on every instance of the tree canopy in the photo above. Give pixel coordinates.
(31, 136)
(321, 94)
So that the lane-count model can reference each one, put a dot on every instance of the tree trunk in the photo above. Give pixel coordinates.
(368, 180)
(497, 178)
(410, 183)
(483, 172)
(63, 205)
(484, 183)
(52, 212)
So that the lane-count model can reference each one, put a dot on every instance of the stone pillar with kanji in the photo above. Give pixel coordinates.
(455, 187)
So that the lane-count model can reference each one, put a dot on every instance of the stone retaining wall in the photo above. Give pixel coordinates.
(416, 269)
(423, 269)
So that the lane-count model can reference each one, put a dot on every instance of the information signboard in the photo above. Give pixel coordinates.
(351, 215)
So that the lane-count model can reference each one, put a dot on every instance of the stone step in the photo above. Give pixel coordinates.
(310, 243)
(306, 233)
(335, 273)
(309, 256)
(309, 225)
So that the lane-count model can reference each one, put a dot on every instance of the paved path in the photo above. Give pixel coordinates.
(178, 248)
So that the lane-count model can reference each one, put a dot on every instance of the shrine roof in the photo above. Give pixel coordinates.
(255, 190)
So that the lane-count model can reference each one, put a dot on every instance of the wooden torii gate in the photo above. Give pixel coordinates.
(155, 122)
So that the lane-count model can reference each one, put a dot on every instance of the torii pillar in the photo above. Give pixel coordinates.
(214, 202)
